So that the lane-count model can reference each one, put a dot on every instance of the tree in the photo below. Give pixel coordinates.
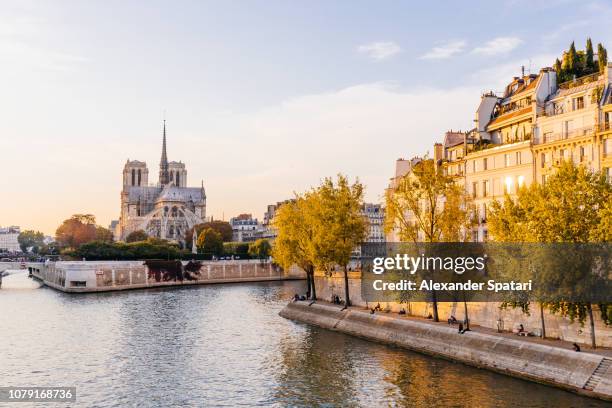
(341, 226)
(571, 62)
(427, 206)
(103, 234)
(210, 242)
(602, 57)
(222, 227)
(572, 207)
(77, 230)
(260, 249)
(589, 63)
(295, 225)
(136, 236)
(31, 239)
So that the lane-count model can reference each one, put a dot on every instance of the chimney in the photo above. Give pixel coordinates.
(438, 152)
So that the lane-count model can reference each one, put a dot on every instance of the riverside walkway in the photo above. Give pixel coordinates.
(548, 361)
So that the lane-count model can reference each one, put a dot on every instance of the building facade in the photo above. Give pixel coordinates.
(245, 228)
(8, 239)
(522, 136)
(166, 209)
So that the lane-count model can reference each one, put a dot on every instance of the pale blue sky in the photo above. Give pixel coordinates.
(262, 98)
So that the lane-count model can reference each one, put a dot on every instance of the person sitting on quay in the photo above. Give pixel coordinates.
(378, 307)
(402, 311)
(452, 320)
(576, 347)
(296, 297)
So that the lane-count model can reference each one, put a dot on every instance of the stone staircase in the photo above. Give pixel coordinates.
(597, 375)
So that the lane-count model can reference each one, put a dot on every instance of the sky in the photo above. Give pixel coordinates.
(262, 98)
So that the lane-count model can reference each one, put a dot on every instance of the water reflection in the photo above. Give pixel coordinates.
(225, 345)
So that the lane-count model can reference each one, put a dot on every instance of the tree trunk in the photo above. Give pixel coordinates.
(314, 289)
(435, 306)
(467, 317)
(308, 283)
(346, 287)
(542, 321)
(592, 323)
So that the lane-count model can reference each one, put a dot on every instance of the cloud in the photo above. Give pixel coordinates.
(379, 51)
(359, 131)
(445, 51)
(499, 45)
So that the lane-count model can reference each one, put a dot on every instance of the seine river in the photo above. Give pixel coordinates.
(225, 345)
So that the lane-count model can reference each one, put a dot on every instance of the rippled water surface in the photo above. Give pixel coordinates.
(225, 345)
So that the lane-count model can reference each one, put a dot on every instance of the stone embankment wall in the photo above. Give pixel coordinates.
(586, 373)
(101, 276)
(480, 313)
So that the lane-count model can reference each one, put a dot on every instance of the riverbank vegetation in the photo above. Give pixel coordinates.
(320, 229)
(573, 206)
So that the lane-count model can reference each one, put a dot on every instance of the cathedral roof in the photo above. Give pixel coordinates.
(173, 193)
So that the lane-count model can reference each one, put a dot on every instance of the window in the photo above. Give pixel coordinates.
(473, 166)
(133, 177)
(562, 154)
(139, 176)
(485, 188)
(506, 160)
(474, 189)
(521, 181)
(543, 159)
(582, 153)
(578, 103)
(78, 284)
(518, 158)
(484, 163)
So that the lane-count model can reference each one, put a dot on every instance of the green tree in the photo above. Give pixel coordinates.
(31, 239)
(260, 249)
(103, 234)
(427, 206)
(341, 226)
(571, 61)
(589, 62)
(571, 206)
(222, 227)
(602, 57)
(136, 236)
(210, 242)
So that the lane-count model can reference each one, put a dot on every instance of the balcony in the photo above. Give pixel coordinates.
(579, 81)
(555, 137)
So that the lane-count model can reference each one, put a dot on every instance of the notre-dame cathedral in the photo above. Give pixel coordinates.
(166, 209)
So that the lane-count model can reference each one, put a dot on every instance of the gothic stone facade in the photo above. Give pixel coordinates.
(166, 209)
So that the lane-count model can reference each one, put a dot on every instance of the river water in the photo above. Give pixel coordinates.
(225, 345)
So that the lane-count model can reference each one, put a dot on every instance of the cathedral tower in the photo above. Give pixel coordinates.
(164, 176)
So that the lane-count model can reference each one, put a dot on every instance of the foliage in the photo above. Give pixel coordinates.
(105, 250)
(572, 206)
(210, 242)
(136, 236)
(580, 63)
(222, 227)
(31, 239)
(76, 230)
(602, 57)
(239, 249)
(103, 234)
(260, 249)
(320, 228)
(428, 206)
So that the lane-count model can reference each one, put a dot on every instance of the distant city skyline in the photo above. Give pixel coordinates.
(261, 98)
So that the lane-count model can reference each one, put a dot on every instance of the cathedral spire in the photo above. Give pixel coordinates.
(163, 164)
